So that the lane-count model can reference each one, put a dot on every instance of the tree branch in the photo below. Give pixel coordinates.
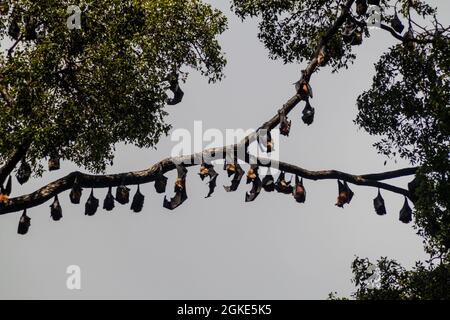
(145, 176)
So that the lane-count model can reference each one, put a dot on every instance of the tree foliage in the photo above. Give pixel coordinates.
(74, 94)
(407, 106)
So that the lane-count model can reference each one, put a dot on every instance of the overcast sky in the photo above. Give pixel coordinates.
(222, 247)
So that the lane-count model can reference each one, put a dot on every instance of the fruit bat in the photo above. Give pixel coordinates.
(75, 193)
(349, 32)
(122, 194)
(378, 204)
(303, 89)
(53, 164)
(285, 125)
(408, 38)
(24, 223)
(23, 173)
(282, 185)
(322, 59)
(345, 194)
(396, 24)
(361, 7)
(235, 169)
(7, 190)
(56, 210)
(308, 114)
(299, 190)
(255, 191)
(357, 37)
(405, 213)
(138, 201)
(207, 170)
(178, 94)
(108, 203)
(160, 182)
(30, 28)
(180, 190)
(91, 205)
(268, 182)
(14, 28)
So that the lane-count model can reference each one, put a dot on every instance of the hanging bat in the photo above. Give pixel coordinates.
(207, 170)
(91, 205)
(396, 24)
(299, 190)
(345, 194)
(180, 190)
(56, 210)
(268, 182)
(282, 185)
(178, 94)
(361, 7)
(308, 114)
(408, 38)
(285, 125)
(238, 174)
(108, 203)
(378, 204)
(412, 188)
(303, 89)
(75, 193)
(405, 213)
(357, 37)
(24, 223)
(23, 173)
(255, 191)
(8, 188)
(53, 164)
(138, 201)
(122, 194)
(160, 181)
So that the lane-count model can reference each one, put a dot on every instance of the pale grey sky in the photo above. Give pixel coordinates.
(222, 247)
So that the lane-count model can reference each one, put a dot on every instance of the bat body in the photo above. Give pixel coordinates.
(268, 182)
(299, 190)
(24, 223)
(23, 173)
(308, 114)
(122, 194)
(345, 194)
(282, 185)
(108, 203)
(255, 191)
(56, 210)
(180, 190)
(378, 204)
(75, 193)
(238, 174)
(91, 205)
(405, 213)
(207, 170)
(138, 201)
(178, 94)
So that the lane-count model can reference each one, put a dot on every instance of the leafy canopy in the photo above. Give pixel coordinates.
(74, 94)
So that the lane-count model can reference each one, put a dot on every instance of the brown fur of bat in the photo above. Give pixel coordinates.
(56, 210)
(122, 194)
(53, 164)
(24, 223)
(299, 190)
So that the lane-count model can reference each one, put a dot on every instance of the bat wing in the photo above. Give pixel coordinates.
(178, 94)
(176, 200)
(236, 179)
(255, 191)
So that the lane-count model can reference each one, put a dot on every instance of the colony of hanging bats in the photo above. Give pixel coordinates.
(352, 34)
